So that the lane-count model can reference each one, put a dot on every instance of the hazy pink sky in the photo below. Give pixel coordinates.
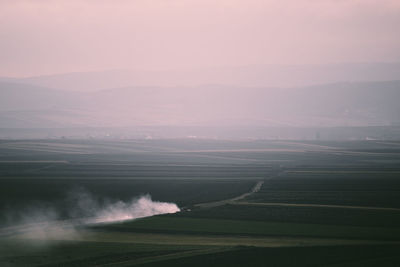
(52, 36)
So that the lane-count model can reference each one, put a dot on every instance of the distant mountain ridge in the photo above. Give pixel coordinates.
(329, 105)
(244, 76)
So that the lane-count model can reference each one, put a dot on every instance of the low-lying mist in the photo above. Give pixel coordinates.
(50, 222)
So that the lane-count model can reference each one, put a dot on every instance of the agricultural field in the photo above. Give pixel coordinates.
(213, 203)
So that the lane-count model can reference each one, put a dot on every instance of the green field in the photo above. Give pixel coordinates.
(320, 203)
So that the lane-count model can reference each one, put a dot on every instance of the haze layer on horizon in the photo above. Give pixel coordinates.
(45, 37)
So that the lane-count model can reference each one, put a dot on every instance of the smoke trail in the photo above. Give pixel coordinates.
(93, 210)
(46, 223)
(142, 207)
(39, 223)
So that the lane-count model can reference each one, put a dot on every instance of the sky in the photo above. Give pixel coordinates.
(40, 37)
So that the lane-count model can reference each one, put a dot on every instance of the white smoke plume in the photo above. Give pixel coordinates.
(46, 223)
(94, 210)
(142, 207)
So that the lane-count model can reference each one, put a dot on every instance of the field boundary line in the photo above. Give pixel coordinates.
(277, 204)
(171, 256)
